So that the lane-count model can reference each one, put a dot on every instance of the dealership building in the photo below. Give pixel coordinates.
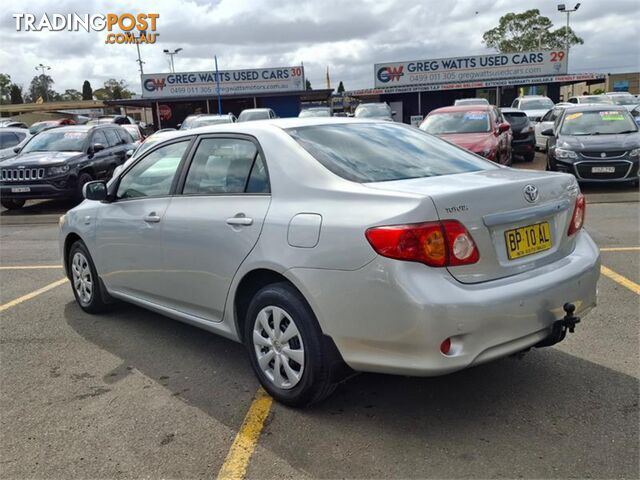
(414, 88)
(174, 96)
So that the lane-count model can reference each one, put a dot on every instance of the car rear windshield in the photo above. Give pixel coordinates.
(536, 104)
(378, 152)
(373, 111)
(517, 120)
(471, 121)
(598, 122)
(57, 141)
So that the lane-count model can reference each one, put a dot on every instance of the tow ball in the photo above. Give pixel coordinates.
(560, 328)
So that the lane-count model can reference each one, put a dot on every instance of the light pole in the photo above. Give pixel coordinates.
(171, 54)
(541, 31)
(44, 68)
(568, 11)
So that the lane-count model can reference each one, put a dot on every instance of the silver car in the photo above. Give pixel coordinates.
(332, 245)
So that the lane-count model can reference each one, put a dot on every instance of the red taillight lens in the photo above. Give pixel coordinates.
(437, 244)
(445, 346)
(577, 219)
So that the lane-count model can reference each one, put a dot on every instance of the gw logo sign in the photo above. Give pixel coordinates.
(153, 84)
(390, 74)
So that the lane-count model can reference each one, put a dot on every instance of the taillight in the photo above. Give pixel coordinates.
(437, 244)
(577, 219)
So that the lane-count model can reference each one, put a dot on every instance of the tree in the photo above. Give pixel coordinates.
(340, 87)
(520, 32)
(5, 84)
(113, 90)
(16, 94)
(87, 92)
(308, 85)
(40, 86)
(71, 95)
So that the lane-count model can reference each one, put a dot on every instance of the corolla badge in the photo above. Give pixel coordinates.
(530, 193)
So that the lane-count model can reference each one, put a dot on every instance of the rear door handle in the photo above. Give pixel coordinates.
(152, 218)
(240, 219)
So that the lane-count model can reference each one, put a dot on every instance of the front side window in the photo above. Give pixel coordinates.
(112, 137)
(8, 139)
(376, 152)
(101, 138)
(225, 165)
(153, 175)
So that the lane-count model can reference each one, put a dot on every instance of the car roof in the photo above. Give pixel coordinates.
(84, 128)
(513, 110)
(14, 129)
(256, 110)
(462, 108)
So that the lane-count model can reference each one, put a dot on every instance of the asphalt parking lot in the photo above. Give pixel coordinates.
(134, 394)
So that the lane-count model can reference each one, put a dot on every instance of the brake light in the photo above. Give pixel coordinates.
(577, 219)
(437, 244)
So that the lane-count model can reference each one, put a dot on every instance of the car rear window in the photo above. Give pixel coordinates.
(377, 152)
(516, 119)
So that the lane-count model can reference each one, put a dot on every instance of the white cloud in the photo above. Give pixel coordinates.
(347, 36)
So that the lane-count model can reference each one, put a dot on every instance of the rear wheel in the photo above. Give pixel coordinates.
(285, 346)
(84, 279)
(12, 203)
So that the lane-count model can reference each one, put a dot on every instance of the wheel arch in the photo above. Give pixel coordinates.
(69, 240)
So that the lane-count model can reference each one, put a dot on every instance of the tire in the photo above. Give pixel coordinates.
(85, 282)
(528, 157)
(83, 178)
(12, 203)
(303, 383)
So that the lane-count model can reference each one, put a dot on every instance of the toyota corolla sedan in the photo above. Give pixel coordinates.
(329, 246)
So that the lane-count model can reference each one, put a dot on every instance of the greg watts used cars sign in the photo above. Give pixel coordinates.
(465, 69)
(232, 82)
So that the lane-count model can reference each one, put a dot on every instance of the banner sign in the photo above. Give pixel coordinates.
(468, 69)
(580, 77)
(232, 82)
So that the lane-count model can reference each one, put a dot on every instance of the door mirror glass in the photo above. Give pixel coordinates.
(96, 190)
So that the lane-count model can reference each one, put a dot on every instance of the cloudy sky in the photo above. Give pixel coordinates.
(347, 36)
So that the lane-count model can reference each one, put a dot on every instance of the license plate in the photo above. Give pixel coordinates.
(603, 169)
(20, 189)
(528, 240)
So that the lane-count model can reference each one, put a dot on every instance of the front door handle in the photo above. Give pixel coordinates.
(153, 217)
(240, 219)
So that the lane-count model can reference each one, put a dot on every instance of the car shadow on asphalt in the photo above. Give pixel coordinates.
(549, 414)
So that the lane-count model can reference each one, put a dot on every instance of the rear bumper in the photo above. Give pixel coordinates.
(522, 146)
(392, 316)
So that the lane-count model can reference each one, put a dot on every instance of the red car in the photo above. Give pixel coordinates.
(46, 124)
(479, 128)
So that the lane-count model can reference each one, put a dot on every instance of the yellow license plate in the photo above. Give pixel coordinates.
(528, 240)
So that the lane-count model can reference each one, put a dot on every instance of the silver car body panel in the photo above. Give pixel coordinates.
(384, 315)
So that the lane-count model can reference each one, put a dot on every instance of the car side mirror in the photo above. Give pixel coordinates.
(96, 190)
(178, 126)
(95, 148)
(128, 154)
(548, 132)
(503, 127)
(16, 149)
(393, 112)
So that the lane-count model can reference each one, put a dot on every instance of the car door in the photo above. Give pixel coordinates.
(100, 161)
(117, 147)
(128, 229)
(213, 225)
(545, 122)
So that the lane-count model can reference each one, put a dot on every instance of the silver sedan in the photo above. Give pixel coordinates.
(331, 245)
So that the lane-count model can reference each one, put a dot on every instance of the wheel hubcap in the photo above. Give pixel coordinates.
(82, 279)
(278, 346)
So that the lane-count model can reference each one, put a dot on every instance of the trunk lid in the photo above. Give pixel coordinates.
(491, 202)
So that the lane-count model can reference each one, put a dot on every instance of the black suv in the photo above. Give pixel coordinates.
(57, 163)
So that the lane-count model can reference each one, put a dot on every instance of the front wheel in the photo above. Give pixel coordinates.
(12, 203)
(83, 179)
(84, 279)
(285, 346)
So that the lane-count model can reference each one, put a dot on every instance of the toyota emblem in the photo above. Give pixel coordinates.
(531, 193)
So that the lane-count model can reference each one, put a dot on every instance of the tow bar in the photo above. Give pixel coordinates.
(560, 327)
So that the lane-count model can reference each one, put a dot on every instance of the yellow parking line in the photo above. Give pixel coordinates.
(620, 249)
(235, 465)
(624, 281)
(28, 267)
(29, 296)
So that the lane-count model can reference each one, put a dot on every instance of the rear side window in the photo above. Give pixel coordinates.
(226, 165)
(377, 152)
